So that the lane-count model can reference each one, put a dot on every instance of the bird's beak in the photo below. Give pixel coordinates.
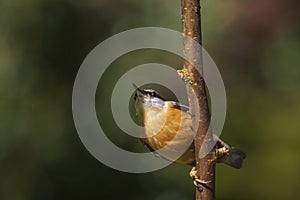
(139, 94)
(138, 90)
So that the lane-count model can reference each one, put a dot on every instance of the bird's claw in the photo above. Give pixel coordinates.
(197, 181)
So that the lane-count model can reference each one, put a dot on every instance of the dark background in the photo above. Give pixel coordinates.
(255, 43)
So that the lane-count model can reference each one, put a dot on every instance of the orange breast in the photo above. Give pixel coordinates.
(164, 126)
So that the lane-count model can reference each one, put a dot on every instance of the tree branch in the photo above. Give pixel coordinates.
(191, 26)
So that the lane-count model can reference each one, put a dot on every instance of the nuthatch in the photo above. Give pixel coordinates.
(163, 120)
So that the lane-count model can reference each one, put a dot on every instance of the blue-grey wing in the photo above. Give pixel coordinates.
(182, 107)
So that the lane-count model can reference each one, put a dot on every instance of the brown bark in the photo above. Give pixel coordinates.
(191, 26)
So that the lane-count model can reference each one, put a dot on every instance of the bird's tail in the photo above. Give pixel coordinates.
(229, 155)
(234, 158)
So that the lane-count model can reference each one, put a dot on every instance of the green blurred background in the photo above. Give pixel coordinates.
(255, 43)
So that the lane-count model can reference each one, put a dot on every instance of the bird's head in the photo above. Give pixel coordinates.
(148, 103)
(146, 95)
(147, 98)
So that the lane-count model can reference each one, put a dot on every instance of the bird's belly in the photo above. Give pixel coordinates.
(172, 141)
(169, 132)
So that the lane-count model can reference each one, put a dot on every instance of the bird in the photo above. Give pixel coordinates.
(163, 120)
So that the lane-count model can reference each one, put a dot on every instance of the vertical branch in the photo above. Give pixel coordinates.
(191, 25)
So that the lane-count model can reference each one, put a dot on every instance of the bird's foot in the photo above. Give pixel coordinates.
(221, 152)
(197, 181)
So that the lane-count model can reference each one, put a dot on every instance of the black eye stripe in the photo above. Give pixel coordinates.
(153, 94)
